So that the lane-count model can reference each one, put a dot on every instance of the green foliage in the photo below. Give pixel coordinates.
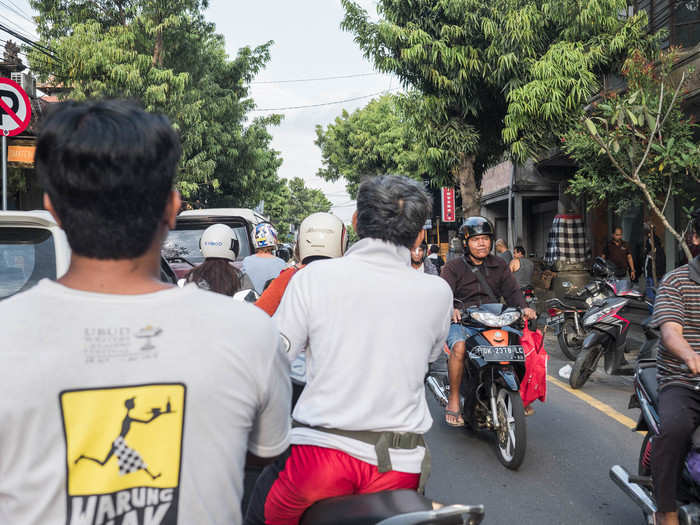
(637, 146)
(504, 76)
(166, 55)
(374, 140)
(290, 202)
(352, 234)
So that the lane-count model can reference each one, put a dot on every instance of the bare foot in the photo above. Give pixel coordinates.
(529, 410)
(666, 518)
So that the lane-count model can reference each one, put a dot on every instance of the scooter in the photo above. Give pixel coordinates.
(639, 487)
(494, 366)
(393, 507)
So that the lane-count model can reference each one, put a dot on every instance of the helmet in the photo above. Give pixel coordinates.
(218, 240)
(474, 226)
(322, 235)
(265, 235)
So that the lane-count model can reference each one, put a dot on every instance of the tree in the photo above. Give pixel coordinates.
(374, 140)
(291, 202)
(494, 77)
(637, 146)
(167, 56)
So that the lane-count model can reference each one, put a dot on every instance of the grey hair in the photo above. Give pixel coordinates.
(392, 208)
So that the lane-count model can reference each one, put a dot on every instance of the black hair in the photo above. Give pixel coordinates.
(392, 208)
(615, 228)
(434, 248)
(108, 167)
(696, 221)
(519, 249)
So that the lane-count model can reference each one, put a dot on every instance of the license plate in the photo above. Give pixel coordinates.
(500, 353)
(556, 319)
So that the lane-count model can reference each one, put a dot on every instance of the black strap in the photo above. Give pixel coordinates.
(482, 281)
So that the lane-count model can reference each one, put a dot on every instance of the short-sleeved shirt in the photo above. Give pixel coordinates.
(678, 301)
(168, 389)
(618, 256)
(262, 269)
(271, 297)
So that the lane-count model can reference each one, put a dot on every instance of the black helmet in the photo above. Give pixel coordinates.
(474, 226)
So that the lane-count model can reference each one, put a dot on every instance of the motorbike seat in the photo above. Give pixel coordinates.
(636, 294)
(647, 377)
(360, 509)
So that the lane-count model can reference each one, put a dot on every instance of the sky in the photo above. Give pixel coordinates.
(308, 44)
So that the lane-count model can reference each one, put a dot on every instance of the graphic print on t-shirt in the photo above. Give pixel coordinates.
(123, 453)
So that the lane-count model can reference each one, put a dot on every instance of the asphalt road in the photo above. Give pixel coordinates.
(570, 449)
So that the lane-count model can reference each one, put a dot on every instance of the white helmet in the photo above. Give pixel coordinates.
(219, 241)
(322, 234)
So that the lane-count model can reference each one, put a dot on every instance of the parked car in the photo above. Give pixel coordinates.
(34, 247)
(181, 249)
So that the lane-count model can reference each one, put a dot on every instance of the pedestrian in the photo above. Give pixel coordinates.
(522, 267)
(420, 262)
(95, 391)
(263, 265)
(455, 251)
(655, 257)
(436, 258)
(617, 252)
(677, 314)
(503, 251)
(360, 421)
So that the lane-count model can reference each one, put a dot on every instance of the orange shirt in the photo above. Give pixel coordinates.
(272, 296)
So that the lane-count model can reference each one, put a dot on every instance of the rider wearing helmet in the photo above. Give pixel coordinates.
(476, 235)
(321, 236)
(219, 246)
(263, 265)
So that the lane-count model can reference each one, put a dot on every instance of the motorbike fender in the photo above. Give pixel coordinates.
(642, 424)
(595, 338)
(508, 376)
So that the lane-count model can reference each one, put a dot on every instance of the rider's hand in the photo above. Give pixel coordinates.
(529, 313)
(456, 316)
(693, 362)
(633, 274)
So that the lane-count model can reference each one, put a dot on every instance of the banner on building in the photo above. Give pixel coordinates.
(448, 204)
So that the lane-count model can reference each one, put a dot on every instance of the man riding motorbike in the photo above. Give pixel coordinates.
(478, 277)
(360, 421)
(677, 313)
(263, 265)
(321, 236)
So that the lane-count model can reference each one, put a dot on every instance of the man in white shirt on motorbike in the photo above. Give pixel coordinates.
(360, 421)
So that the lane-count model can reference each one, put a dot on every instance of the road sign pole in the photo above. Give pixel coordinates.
(4, 171)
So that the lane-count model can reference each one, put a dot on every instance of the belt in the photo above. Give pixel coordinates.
(382, 442)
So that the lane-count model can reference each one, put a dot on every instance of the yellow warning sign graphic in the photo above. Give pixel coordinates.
(123, 452)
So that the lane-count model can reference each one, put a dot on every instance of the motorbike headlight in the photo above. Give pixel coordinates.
(496, 321)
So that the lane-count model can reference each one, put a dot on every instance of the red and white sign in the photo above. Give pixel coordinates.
(15, 109)
(448, 204)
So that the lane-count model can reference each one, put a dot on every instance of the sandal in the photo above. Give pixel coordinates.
(529, 410)
(458, 417)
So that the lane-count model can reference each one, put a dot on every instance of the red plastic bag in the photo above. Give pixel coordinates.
(534, 384)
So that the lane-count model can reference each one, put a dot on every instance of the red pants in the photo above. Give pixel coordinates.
(309, 474)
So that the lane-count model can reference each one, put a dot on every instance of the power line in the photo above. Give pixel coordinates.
(45, 50)
(18, 27)
(19, 9)
(16, 11)
(328, 103)
(313, 79)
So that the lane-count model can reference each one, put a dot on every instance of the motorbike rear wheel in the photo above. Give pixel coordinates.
(585, 365)
(570, 343)
(511, 437)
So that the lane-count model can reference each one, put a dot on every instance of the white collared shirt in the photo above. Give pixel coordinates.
(370, 323)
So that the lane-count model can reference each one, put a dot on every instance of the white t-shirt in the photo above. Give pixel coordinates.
(170, 388)
(372, 323)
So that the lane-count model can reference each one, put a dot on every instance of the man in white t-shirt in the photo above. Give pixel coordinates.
(360, 421)
(125, 400)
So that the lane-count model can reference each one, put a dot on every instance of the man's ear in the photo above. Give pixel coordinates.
(48, 206)
(419, 239)
(354, 221)
(172, 208)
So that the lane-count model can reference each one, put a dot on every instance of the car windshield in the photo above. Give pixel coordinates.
(185, 243)
(26, 256)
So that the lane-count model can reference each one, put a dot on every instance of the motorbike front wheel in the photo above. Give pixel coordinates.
(585, 365)
(511, 436)
(570, 342)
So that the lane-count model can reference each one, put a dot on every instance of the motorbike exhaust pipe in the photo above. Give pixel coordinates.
(437, 390)
(622, 479)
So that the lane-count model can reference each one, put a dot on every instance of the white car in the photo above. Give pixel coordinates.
(34, 247)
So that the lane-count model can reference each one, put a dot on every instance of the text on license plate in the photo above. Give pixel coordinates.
(556, 319)
(500, 353)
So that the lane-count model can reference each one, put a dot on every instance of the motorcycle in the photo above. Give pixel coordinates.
(494, 366)
(639, 487)
(393, 507)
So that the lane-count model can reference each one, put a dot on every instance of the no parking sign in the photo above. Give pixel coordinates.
(15, 109)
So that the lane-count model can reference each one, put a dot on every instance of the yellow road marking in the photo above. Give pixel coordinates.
(604, 408)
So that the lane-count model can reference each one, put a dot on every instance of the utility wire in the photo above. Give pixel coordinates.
(45, 50)
(21, 29)
(312, 79)
(327, 103)
(16, 11)
(19, 9)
